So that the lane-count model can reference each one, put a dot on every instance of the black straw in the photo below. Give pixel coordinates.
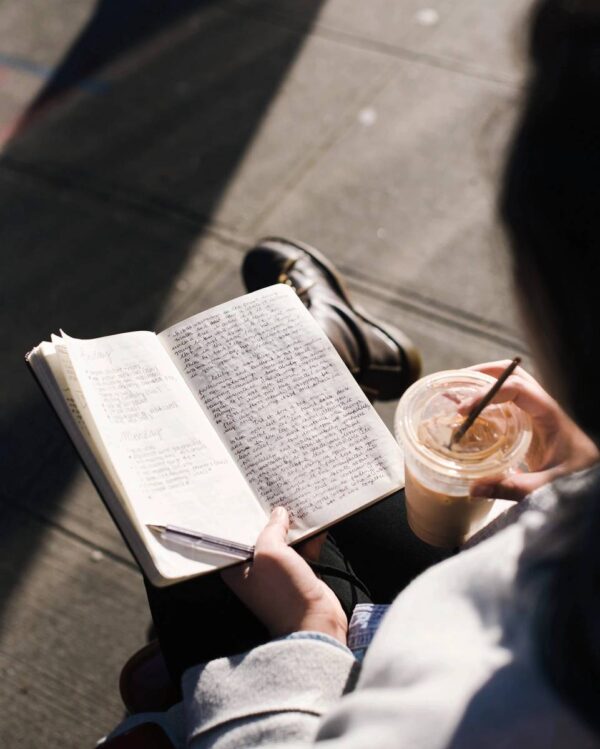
(474, 412)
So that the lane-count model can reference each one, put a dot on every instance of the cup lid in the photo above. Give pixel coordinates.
(428, 414)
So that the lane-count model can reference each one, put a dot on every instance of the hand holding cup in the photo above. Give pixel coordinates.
(558, 445)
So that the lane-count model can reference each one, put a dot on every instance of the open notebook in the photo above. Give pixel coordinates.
(215, 421)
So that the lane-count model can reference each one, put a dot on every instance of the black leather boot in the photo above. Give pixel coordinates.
(382, 359)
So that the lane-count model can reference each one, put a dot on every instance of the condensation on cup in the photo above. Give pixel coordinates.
(439, 507)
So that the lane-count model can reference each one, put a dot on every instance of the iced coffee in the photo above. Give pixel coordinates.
(439, 473)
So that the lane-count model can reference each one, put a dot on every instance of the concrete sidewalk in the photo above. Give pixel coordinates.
(160, 146)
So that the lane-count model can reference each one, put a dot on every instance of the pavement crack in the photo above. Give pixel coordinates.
(399, 52)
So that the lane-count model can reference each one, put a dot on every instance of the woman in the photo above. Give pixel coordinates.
(499, 645)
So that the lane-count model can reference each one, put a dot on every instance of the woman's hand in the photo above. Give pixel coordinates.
(280, 588)
(558, 446)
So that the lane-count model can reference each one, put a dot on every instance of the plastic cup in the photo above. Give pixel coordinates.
(439, 507)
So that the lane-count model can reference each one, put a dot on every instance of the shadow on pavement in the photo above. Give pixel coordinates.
(152, 108)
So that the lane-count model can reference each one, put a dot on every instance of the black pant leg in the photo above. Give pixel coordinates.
(383, 551)
(201, 619)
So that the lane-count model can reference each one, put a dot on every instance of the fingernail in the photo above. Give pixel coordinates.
(279, 513)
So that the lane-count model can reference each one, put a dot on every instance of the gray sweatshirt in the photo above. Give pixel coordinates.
(452, 665)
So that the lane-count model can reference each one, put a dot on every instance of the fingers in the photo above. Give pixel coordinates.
(269, 545)
(495, 369)
(514, 487)
(524, 392)
(274, 534)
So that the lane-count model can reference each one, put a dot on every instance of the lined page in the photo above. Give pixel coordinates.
(170, 461)
(300, 428)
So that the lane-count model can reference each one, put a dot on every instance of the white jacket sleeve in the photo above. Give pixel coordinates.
(454, 664)
(273, 695)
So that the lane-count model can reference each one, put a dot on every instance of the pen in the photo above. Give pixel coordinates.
(202, 541)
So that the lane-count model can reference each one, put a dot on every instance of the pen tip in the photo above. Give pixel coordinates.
(155, 528)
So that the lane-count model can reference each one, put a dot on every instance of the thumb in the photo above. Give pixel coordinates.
(274, 534)
(513, 487)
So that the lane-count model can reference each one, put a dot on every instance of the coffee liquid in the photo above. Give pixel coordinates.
(442, 519)
(484, 438)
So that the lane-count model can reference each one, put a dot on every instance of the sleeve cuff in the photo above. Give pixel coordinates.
(305, 672)
(316, 636)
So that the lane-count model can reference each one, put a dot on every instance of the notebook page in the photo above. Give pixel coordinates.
(301, 430)
(45, 361)
(171, 463)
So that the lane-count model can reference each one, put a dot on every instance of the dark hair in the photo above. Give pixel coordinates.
(550, 202)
